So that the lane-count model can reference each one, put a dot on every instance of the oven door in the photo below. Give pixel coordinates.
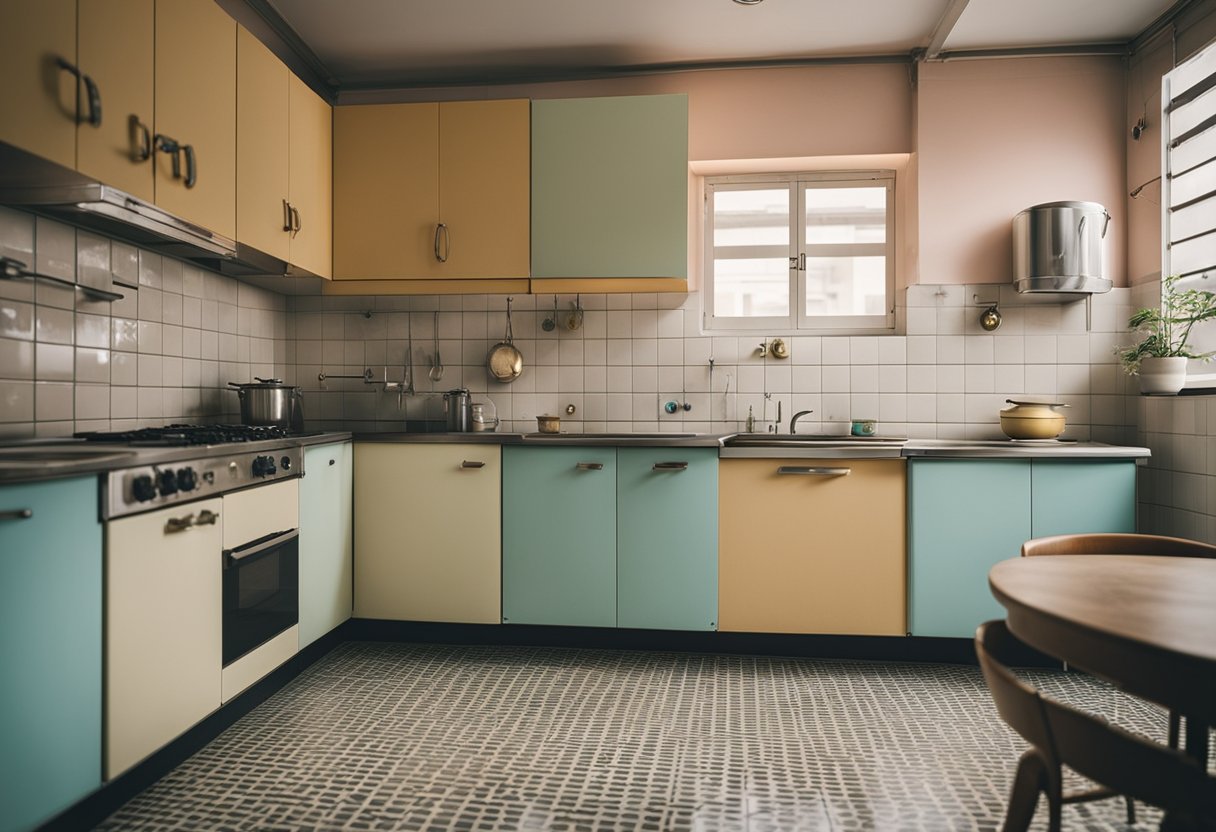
(261, 592)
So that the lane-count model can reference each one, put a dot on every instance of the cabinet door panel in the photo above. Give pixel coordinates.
(427, 532)
(667, 538)
(965, 516)
(38, 98)
(325, 540)
(262, 147)
(386, 191)
(811, 553)
(559, 536)
(311, 177)
(1076, 497)
(50, 649)
(610, 187)
(116, 50)
(196, 105)
(484, 186)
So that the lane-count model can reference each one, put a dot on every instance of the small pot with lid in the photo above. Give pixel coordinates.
(268, 401)
(1032, 420)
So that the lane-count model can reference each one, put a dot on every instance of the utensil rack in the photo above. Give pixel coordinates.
(11, 269)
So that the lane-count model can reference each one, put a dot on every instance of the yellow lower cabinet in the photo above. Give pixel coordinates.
(428, 532)
(812, 546)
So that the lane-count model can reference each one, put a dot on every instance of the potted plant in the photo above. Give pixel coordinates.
(1160, 357)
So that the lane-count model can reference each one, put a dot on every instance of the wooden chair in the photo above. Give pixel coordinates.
(1122, 544)
(1059, 735)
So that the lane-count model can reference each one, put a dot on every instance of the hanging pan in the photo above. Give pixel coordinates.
(504, 361)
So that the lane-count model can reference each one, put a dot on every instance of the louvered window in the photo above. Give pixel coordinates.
(1189, 190)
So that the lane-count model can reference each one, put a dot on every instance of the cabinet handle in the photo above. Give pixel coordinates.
(207, 518)
(296, 225)
(166, 144)
(441, 228)
(141, 139)
(333, 461)
(179, 524)
(191, 166)
(670, 466)
(814, 472)
(94, 99)
(17, 514)
(472, 464)
(590, 466)
(286, 215)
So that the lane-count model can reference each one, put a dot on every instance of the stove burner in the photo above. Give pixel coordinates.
(181, 435)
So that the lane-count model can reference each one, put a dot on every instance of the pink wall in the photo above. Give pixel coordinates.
(997, 136)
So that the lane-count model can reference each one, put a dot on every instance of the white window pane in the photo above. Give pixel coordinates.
(846, 215)
(752, 288)
(752, 217)
(846, 286)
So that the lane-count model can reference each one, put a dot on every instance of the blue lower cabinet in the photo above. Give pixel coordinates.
(667, 538)
(50, 648)
(1070, 497)
(325, 540)
(964, 516)
(559, 536)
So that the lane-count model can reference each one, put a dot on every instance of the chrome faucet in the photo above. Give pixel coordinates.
(797, 416)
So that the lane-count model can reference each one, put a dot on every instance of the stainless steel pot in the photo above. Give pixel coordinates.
(457, 406)
(1059, 247)
(268, 401)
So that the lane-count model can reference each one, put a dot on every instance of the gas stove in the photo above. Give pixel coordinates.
(184, 435)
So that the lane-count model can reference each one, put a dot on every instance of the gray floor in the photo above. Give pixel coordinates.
(419, 737)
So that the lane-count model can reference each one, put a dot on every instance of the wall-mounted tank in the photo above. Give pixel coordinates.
(1061, 247)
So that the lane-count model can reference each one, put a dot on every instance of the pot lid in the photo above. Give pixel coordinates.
(261, 384)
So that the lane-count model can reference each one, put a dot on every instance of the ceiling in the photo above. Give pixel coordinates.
(366, 44)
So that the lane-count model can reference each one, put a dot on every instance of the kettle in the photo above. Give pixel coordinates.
(456, 404)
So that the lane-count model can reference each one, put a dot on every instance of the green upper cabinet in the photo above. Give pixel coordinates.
(559, 536)
(667, 538)
(50, 648)
(610, 187)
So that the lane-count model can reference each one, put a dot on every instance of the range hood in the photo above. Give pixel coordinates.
(36, 185)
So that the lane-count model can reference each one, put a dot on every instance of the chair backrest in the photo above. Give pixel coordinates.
(1117, 544)
(1106, 754)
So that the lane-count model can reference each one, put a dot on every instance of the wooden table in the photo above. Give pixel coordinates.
(1146, 624)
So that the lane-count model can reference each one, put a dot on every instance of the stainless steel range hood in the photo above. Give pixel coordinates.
(36, 185)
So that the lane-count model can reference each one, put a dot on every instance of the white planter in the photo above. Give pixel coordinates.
(1162, 376)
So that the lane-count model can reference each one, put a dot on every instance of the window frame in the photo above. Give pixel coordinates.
(797, 183)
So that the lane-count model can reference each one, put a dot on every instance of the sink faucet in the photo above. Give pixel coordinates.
(797, 416)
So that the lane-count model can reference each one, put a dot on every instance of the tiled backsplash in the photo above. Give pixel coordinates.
(164, 353)
(1177, 489)
(946, 378)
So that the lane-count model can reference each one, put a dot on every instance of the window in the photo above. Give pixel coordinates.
(805, 251)
(1189, 190)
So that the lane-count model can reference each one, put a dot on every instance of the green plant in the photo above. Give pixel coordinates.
(1167, 328)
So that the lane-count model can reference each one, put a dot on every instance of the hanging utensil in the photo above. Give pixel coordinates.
(504, 361)
(409, 354)
(436, 371)
(574, 319)
(550, 323)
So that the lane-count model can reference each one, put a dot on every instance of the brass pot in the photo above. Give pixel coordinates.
(1032, 420)
(549, 424)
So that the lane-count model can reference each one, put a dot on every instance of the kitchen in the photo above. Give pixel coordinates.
(165, 352)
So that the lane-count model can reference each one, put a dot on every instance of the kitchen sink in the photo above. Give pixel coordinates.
(744, 439)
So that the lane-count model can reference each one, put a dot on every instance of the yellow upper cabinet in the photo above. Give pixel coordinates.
(284, 161)
(38, 62)
(116, 52)
(432, 191)
(196, 113)
(310, 178)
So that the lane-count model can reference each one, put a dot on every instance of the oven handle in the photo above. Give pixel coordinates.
(259, 546)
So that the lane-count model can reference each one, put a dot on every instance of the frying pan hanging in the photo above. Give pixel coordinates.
(504, 361)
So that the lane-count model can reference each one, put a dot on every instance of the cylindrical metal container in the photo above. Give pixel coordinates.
(268, 401)
(456, 404)
(1060, 247)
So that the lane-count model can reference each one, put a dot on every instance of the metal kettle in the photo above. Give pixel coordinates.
(457, 408)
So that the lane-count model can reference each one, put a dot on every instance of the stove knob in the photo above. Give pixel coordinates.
(187, 480)
(285, 463)
(166, 483)
(142, 488)
(263, 466)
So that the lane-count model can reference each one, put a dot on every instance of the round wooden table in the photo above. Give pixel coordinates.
(1146, 624)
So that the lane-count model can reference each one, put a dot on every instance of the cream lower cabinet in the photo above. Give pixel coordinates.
(163, 629)
(428, 532)
(812, 546)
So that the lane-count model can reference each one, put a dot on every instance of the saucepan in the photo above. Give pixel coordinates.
(1032, 420)
(268, 401)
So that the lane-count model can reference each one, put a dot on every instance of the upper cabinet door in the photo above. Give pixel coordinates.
(262, 218)
(196, 107)
(610, 187)
(310, 176)
(116, 52)
(484, 185)
(38, 96)
(386, 191)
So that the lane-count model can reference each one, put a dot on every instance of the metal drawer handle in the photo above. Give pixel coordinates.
(670, 466)
(590, 466)
(17, 514)
(815, 472)
(207, 518)
(472, 464)
(271, 541)
(179, 524)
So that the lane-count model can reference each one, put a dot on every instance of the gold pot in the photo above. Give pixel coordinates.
(548, 424)
(1032, 420)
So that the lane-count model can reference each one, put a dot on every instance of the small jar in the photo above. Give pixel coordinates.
(863, 427)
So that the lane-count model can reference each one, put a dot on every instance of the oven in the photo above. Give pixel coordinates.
(261, 592)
